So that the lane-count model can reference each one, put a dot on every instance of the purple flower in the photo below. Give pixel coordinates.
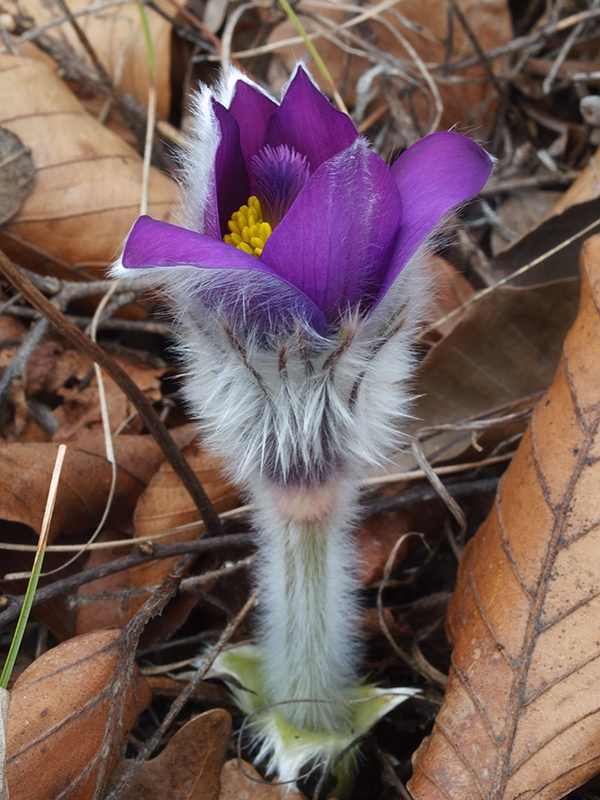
(297, 310)
(333, 225)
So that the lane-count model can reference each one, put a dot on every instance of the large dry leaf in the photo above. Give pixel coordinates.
(506, 346)
(117, 36)
(468, 103)
(89, 181)
(521, 715)
(108, 602)
(25, 471)
(575, 209)
(70, 713)
(79, 413)
(451, 290)
(189, 766)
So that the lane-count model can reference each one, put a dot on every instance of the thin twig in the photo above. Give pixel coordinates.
(12, 605)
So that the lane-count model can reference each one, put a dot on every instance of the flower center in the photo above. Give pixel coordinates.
(279, 174)
(248, 230)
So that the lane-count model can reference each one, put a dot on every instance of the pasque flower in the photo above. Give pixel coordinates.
(296, 278)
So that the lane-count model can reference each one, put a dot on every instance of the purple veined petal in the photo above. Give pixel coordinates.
(434, 175)
(248, 291)
(252, 109)
(307, 122)
(336, 241)
(231, 177)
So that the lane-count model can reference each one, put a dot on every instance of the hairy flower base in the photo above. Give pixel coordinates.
(287, 751)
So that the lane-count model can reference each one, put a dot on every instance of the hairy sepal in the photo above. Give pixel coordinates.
(284, 404)
(289, 751)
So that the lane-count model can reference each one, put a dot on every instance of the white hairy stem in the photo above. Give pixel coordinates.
(309, 619)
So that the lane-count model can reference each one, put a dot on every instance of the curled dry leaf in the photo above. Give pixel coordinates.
(64, 379)
(240, 780)
(117, 36)
(423, 24)
(189, 766)
(70, 713)
(79, 414)
(17, 174)
(89, 181)
(521, 714)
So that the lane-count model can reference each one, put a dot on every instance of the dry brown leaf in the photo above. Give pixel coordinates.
(106, 605)
(70, 713)
(79, 415)
(89, 181)
(468, 103)
(240, 780)
(450, 290)
(166, 504)
(12, 331)
(189, 766)
(506, 346)
(375, 539)
(117, 36)
(25, 471)
(574, 210)
(521, 714)
(379, 534)
(65, 379)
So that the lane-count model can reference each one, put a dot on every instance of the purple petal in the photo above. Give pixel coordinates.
(434, 175)
(307, 122)
(248, 290)
(252, 110)
(336, 241)
(233, 184)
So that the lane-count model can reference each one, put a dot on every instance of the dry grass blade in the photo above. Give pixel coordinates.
(4, 705)
(23, 499)
(520, 718)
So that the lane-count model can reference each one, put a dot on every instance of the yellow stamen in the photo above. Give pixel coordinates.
(248, 231)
